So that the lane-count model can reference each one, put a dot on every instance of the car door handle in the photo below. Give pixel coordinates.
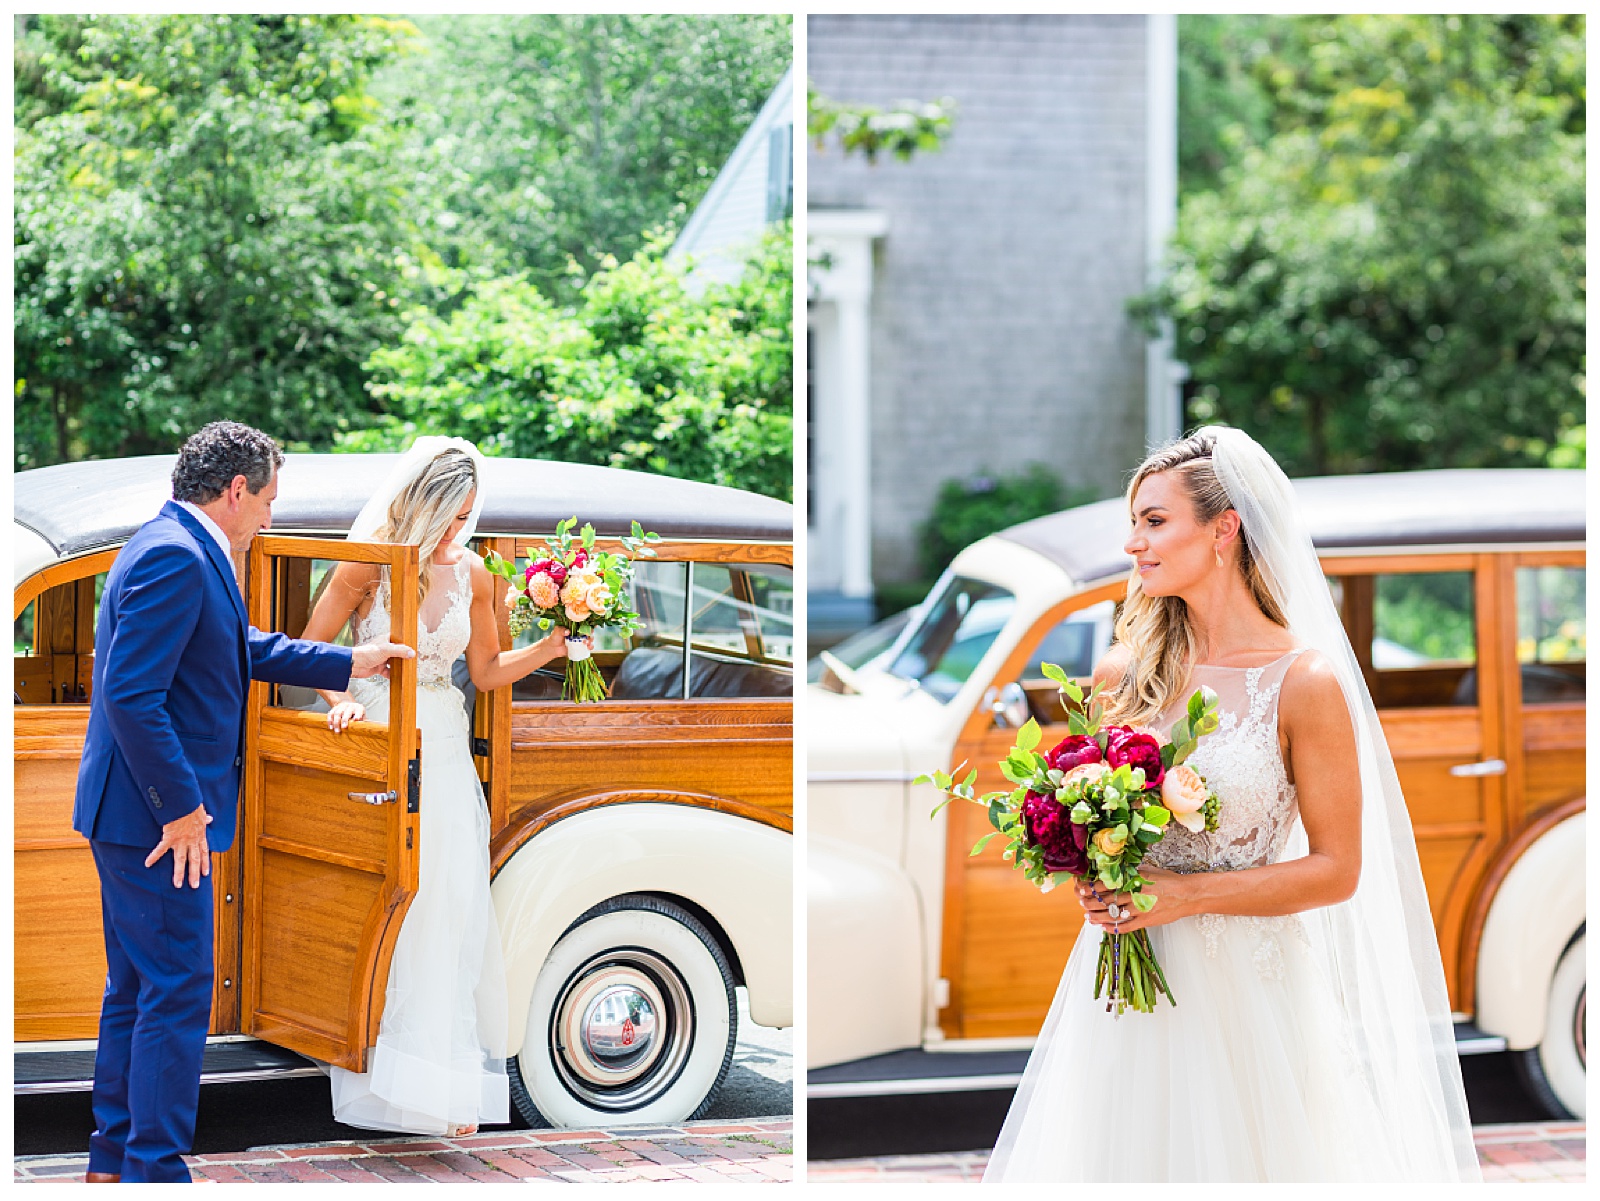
(1489, 767)
(376, 798)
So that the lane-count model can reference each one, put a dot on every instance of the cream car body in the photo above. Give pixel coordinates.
(737, 871)
(870, 837)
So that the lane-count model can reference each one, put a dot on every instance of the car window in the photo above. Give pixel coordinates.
(1414, 634)
(1551, 633)
(53, 643)
(958, 626)
(1075, 643)
(741, 636)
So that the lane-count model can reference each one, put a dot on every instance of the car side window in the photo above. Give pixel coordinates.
(53, 644)
(739, 628)
(1552, 635)
(1414, 634)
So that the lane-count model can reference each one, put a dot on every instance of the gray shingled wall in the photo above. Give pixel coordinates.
(1000, 332)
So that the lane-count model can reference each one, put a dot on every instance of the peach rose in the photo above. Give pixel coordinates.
(1183, 793)
(598, 599)
(544, 591)
(577, 612)
(1107, 842)
(574, 590)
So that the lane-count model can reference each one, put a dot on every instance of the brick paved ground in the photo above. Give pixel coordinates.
(757, 1151)
(1549, 1153)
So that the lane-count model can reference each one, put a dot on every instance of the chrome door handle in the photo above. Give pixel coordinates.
(1489, 767)
(376, 798)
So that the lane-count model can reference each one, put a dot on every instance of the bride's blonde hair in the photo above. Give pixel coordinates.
(1156, 630)
(422, 511)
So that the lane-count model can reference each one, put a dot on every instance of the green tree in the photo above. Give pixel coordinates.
(904, 129)
(1388, 274)
(205, 226)
(543, 142)
(641, 373)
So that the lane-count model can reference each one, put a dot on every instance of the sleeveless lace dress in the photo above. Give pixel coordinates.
(440, 1055)
(1251, 1076)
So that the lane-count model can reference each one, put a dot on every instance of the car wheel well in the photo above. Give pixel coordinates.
(712, 925)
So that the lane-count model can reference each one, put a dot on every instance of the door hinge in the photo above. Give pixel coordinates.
(480, 747)
(414, 782)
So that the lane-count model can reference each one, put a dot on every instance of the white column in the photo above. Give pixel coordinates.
(843, 240)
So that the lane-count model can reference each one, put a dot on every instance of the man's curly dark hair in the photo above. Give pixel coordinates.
(212, 457)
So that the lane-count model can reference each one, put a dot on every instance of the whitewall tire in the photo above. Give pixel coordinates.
(1555, 1071)
(632, 1020)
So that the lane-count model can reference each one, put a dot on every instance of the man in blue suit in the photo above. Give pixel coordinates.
(174, 655)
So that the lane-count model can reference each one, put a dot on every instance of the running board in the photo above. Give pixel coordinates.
(224, 1063)
(916, 1071)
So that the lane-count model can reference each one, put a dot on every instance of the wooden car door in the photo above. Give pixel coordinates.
(330, 835)
(1003, 949)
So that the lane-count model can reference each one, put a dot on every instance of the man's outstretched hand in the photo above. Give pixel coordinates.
(372, 658)
(186, 839)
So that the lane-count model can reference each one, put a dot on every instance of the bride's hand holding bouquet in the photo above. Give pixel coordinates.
(573, 590)
(1091, 809)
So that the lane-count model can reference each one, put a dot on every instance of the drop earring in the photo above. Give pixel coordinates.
(1219, 556)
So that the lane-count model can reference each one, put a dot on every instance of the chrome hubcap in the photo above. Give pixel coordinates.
(621, 1029)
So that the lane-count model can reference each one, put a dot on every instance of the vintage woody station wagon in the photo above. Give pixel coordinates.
(641, 846)
(1463, 595)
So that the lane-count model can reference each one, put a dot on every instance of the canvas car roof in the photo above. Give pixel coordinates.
(77, 507)
(1412, 508)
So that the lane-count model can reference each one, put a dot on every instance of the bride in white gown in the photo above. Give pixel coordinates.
(1311, 1037)
(439, 1063)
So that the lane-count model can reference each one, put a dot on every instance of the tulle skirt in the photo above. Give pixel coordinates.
(440, 1055)
(1251, 1076)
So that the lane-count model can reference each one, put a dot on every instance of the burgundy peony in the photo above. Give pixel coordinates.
(580, 558)
(1125, 746)
(1065, 845)
(1074, 751)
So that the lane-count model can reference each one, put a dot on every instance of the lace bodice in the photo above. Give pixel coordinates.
(444, 627)
(1242, 763)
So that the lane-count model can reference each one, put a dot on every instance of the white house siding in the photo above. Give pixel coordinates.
(999, 328)
(733, 214)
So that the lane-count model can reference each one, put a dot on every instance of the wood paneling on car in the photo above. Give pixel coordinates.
(741, 749)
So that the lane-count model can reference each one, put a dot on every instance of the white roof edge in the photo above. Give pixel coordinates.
(781, 94)
(29, 553)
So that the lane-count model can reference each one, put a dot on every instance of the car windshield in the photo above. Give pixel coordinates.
(957, 627)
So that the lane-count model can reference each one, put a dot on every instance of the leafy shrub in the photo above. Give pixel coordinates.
(970, 509)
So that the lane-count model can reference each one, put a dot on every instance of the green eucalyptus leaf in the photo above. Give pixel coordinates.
(1028, 737)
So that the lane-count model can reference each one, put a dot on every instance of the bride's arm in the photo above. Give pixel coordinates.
(490, 666)
(347, 587)
(1322, 754)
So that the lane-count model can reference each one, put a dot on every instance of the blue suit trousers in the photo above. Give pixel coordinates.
(154, 1018)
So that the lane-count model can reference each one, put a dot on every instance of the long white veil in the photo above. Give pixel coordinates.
(1379, 946)
(409, 465)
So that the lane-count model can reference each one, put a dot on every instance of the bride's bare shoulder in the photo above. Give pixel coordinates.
(1311, 698)
(1112, 667)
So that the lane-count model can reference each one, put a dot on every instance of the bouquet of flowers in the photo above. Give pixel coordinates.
(580, 588)
(1092, 808)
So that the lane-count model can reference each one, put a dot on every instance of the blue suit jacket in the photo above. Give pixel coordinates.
(174, 656)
